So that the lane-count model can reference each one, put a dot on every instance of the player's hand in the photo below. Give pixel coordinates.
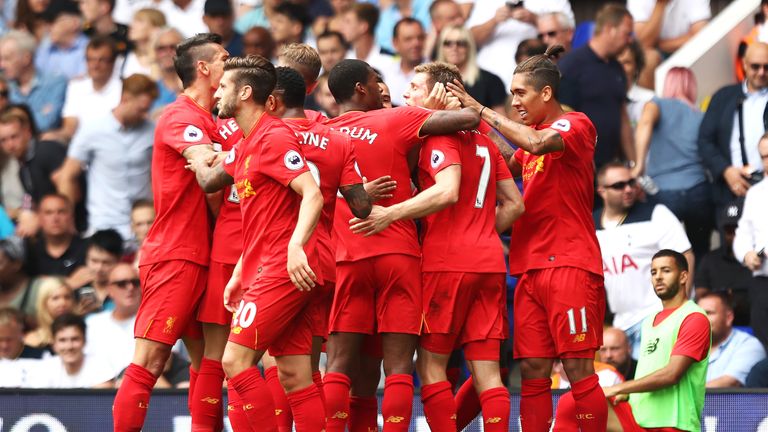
(233, 293)
(437, 98)
(452, 102)
(381, 188)
(737, 180)
(195, 164)
(299, 271)
(457, 89)
(613, 391)
(753, 261)
(379, 219)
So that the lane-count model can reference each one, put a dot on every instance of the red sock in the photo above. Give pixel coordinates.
(132, 399)
(536, 405)
(308, 409)
(237, 418)
(591, 408)
(257, 404)
(453, 374)
(283, 414)
(398, 402)
(206, 400)
(363, 414)
(439, 407)
(495, 404)
(336, 388)
(467, 404)
(191, 390)
(565, 414)
(317, 378)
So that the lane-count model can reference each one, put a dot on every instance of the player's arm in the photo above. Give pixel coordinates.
(309, 213)
(233, 292)
(507, 152)
(66, 179)
(510, 204)
(445, 122)
(665, 377)
(443, 193)
(358, 199)
(209, 171)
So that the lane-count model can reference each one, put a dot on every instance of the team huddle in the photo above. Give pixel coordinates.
(315, 242)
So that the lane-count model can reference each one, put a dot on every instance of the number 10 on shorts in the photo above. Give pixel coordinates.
(244, 316)
(572, 320)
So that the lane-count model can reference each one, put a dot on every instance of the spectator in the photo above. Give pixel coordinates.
(332, 49)
(110, 332)
(386, 97)
(184, 15)
(733, 352)
(105, 249)
(758, 376)
(256, 17)
(259, 41)
(617, 352)
(17, 289)
(43, 93)
(97, 15)
(38, 159)
(358, 30)
(168, 81)
(409, 44)
(90, 96)
(457, 48)
(749, 247)
(664, 26)
(146, 22)
(630, 232)
(395, 11)
(219, 17)
(117, 150)
(594, 83)
(71, 367)
(498, 27)
(442, 13)
(54, 300)
(666, 151)
(142, 218)
(728, 147)
(62, 50)
(12, 344)
(288, 23)
(719, 271)
(555, 28)
(671, 372)
(335, 21)
(529, 48)
(11, 189)
(632, 60)
(56, 250)
(29, 17)
(6, 224)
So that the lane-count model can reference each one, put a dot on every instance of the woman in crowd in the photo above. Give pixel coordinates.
(29, 17)
(146, 22)
(54, 299)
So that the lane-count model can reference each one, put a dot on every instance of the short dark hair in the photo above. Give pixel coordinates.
(368, 13)
(611, 14)
(189, 52)
(108, 240)
(528, 48)
(724, 297)
(11, 314)
(101, 41)
(328, 34)
(404, 21)
(254, 71)
(541, 71)
(68, 320)
(345, 76)
(294, 12)
(600, 177)
(639, 55)
(680, 261)
(291, 86)
(139, 203)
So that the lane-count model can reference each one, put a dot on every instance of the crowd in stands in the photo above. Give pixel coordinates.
(82, 83)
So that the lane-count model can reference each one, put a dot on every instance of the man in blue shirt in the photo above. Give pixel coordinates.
(62, 50)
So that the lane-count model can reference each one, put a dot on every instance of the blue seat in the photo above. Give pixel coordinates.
(582, 33)
(745, 329)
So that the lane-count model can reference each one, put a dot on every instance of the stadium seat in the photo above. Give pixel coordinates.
(582, 34)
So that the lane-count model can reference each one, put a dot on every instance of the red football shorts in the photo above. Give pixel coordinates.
(320, 309)
(170, 293)
(381, 292)
(558, 312)
(464, 307)
(211, 309)
(275, 315)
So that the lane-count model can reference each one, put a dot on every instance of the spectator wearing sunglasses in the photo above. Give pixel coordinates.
(110, 333)
(630, 231)
(555, 28)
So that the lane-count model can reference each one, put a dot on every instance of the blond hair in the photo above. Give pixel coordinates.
(47, 288)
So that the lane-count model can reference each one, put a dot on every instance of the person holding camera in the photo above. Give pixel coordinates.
(749, 246)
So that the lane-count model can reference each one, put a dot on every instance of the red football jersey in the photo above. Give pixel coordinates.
(227, 234)
(315, 116)
(462, 237)
(182, 226)
(557, 229)
(382, 140)
(266, 162)
(331, 160)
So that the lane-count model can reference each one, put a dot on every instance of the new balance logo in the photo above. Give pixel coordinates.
(278, 412)
(493, 420)
(394, 419)
(210, 400)
(340, 415)
(453, 417)
(579, 337)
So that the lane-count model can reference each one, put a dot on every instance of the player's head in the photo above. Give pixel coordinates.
(305, 60)
(246, 80)
(68, 331)
(11, 333)
(356, 82)
(427, 75)
(616, 187)
(616, 350)
(289, 91)
(717, 305)
(124, 289)
(669, 274)
(200, 57)
(142, 218)
(138, 94)
(105, 248)
(386, 96)
(534, 86)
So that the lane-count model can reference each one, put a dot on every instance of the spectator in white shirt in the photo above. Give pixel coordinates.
(359, 26)
(145, 24)
(408, 40)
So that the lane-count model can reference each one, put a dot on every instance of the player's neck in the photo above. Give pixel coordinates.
(350, 106)
(676, 301)
(297, 113)
(248, 116)
(554, 112)
(201, 94)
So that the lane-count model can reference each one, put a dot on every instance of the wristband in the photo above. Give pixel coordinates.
(481, 111)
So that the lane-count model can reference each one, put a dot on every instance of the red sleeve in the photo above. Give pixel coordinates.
(405, 122)
(349, 172)
(187, 129)
(282, 159)
(577, 131)
(693, 338)
(519, 156)
(230, 161)
(484, 127)
(439, 152)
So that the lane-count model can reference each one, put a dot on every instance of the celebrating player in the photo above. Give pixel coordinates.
(173, 266)
(559, 299)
